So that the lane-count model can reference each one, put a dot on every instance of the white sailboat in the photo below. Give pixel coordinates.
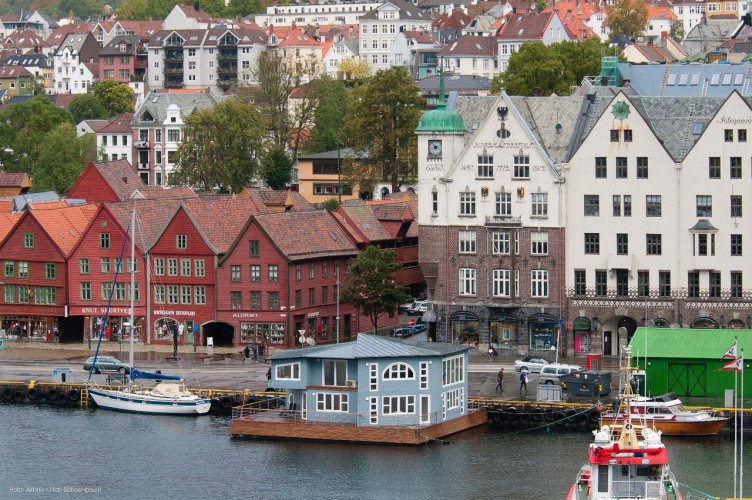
(166, 398)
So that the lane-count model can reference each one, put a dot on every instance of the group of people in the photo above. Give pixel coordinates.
(500, 381)
(252, 349)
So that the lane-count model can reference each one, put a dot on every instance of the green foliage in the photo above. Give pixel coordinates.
(329, 117)
(276, 168)
(22, 130)
(86, 107)
(331, 204)
(369, 285)
(115, 97)
(220, 147)
(381, 120)
(145, 9)
(242, 8)
(549, 68)
(677, 31)
(540, 5)
(626, 17)
(62, 157)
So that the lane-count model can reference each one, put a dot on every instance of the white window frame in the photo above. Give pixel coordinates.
(539, 243)
(467, 241)
(539, 283)
(500, 243)
(501, 279)
(293, 368)
(503, 204)
(453, 370)
(468, 281)
(391, 405)
(332, 402)
(399, 371)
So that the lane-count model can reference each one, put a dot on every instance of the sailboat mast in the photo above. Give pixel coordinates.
(133, 281)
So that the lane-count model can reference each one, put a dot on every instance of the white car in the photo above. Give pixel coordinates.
(532, 364)
(418, 308)
(550, 373)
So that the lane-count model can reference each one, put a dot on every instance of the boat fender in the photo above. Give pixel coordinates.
(74, 395)
(595, 416)
(2, 395)
(19, 395)
(523, 417)
(33, 394)
(52, 394)
(583, 420)
(61, 398)
(226, 402)
(559, 418)
(549, 416)
(511, 414)
(536, 416)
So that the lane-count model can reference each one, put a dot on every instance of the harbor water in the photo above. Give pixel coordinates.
(49, 452)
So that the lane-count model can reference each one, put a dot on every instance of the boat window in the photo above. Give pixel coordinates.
(602, 478)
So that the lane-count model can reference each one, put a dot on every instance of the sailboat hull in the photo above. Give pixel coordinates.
(136, 402)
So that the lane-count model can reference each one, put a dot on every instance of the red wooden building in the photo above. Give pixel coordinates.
(183, 263)
(34, 255)
(280, 278)
(94, 262)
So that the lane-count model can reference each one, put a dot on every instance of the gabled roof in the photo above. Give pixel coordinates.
(65, 225)
(156, 104)
(306, 235)
(220, 220)
(152, 216)
(113, 48)
(407, 11)
(120, 124)
(24, 39)
(73, 42)
(119, 175)
(196, 13)
(57, 36)
(14, 72)
(29, 60)
(14, 179)
(456, 20)
(270, 200)
(7, 221)
(140, 28)
(367, 346)
(471, 46)
(529, 26)
(361, 222)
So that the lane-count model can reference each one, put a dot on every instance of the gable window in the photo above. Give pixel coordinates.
(714, 167)
(522, 167)
(29, 240)
(728, 135)
(255, 273)
(104, 241)
(9, 269)
(500, 242)
(592, 205)
(485, 166)
(601, 170)
(627, 135)
(104, 265)
(467, 204)
(467, 241)
(614, 135)
(399, 371)
(253, 248)
(159, 266)
(621, 167)
(642, 167)
(504, 204)
(289, 371)
(741, 135)
(335, 372)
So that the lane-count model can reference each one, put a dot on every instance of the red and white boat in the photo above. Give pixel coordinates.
(626, 460)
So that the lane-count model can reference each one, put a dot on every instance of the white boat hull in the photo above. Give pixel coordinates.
(136, 402)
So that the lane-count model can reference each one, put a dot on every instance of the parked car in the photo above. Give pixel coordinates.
(418, 308)
(107, 364)
(530, 364)
(402, 333)
(405, 308)
(550, 373)
(418, 326)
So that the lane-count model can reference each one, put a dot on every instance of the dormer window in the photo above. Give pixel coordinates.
(122, 47)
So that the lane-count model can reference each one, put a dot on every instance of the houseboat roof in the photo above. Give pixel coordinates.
(373, 346)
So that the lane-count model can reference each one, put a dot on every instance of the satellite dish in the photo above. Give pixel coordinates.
(310, 341)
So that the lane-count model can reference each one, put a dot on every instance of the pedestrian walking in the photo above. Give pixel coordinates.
(500, 380)
(246, 352)
(254, 349)
(523, 382)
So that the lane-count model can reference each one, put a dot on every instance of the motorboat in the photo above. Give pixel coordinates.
(667, 414)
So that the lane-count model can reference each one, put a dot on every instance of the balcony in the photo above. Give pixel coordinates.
(225, 84)
(503, 221)
(227, 55)
(174, 71)
(173, 55)
(174, 84)
(228, 70)
(620, 262)
(141, 144)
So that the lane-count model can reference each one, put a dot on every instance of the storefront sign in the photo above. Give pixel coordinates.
(313, 314)
(245, 315)
(30, 310)
(166, 312)
(100, 311)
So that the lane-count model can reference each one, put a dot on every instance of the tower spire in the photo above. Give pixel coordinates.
(442, 101)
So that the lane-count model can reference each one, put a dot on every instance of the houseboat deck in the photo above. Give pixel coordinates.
(263, 421)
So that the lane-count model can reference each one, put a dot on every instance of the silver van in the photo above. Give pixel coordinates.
(550, 373)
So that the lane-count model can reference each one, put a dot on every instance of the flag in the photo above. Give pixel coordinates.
(735, 365)
(730, 352)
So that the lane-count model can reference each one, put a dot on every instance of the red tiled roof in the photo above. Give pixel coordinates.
(24, 39)
(306, 235)
(121, 177)
(456, 20)
(267, 199)
(220, 220)
(469, 45)
(529, 26)
(409, 199)
(63, 100)
(142, 28)
(65, 225)
(46, 205)
(6, 206)
(57, 36)
(362, 218)
(152, 216)
(14, 72)
(7, 221)
(172, 193)
(119, 124)
(14, 179)
(199, 15)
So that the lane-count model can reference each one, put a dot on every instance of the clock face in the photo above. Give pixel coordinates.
(434, 148)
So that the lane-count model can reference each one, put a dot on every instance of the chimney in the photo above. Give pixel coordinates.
(125, 180)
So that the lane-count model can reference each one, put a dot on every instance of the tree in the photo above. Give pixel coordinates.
(276, 168)
(307, 102)
(62, 157)
(354, 68)
(539, 68)
(116, 97)
(242, 8)
(220, 147)
(145, 9)
(381, 123)
(626, 17)
(328, 118)
(22, 129)
(86, 107)
(677, 31)
(369, 285)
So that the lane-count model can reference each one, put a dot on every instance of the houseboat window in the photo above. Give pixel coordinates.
(335, 372)
(395, 405)
(399, 371)
(602, 478)
(332, 402)
(454, 399)
(374, 376)
(288, 372)
(453, 370)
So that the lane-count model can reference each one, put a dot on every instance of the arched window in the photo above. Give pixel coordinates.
(399, 371)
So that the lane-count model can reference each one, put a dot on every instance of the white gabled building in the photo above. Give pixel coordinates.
(380, 26)
(517, 29)
(76, 64)
(491, 220)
